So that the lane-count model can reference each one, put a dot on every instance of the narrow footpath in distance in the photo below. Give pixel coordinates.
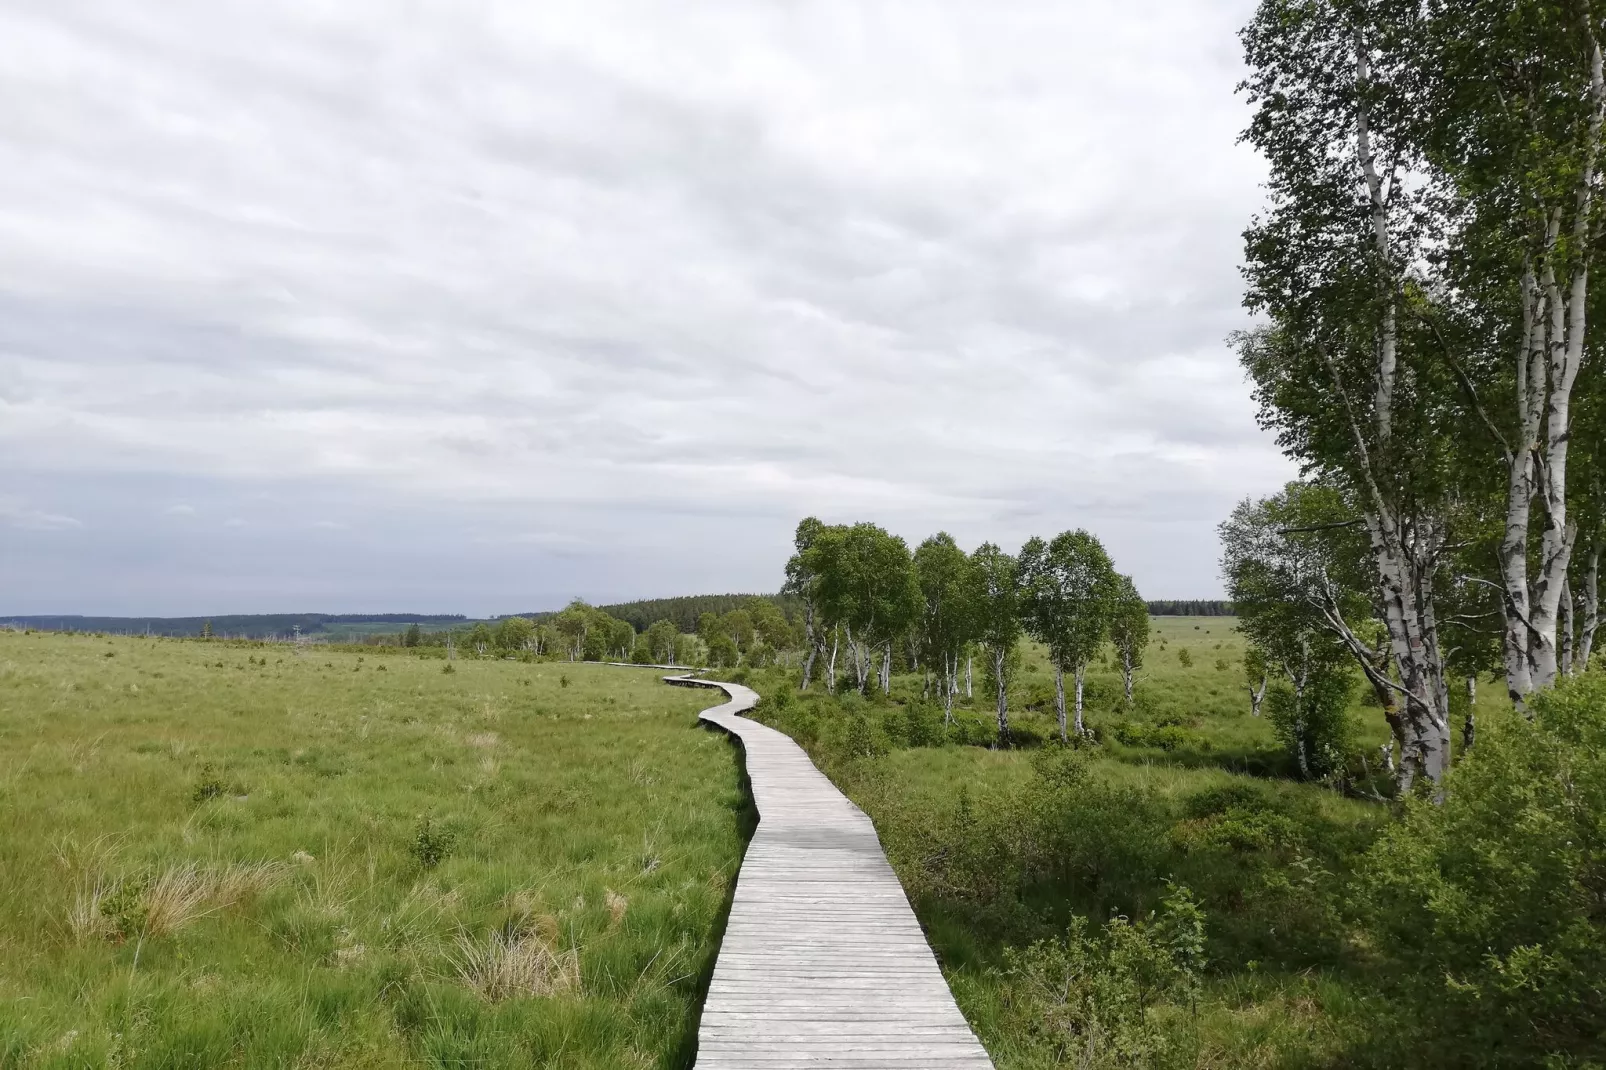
(823, 963)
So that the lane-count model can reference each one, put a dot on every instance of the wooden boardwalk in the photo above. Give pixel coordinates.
(823, 963)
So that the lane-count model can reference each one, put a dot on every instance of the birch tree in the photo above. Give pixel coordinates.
(868, 588)
(1129, 631)
(996, 598)
(1344, 371)
(1514, 127)
(1296, 615)
(1069, 591)
(943, 573)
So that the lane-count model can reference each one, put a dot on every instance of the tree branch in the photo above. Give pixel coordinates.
(1465, 381)
(1323, 527)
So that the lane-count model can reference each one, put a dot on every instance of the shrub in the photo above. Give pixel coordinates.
(210, 785)
(1491, 901)
(861, 739)
(1089, 993)
(922, 725)
(432, 843)
(1314, 727)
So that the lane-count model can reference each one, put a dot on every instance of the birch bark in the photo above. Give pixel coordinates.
(999, 657)
(1059, 701)
(1257, 695)
(1081, 676)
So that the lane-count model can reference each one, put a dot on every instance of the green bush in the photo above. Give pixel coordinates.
(1314, 728)
(432, 843)
(922, 725)
(209, 785)
(862, 738)
(1493, 903)
(1089, 994)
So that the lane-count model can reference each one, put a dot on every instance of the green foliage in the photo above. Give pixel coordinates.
(513, 634)
(209, 786)
(722, 651)
(1185, 658)
(1069, 595)
(1313, 722)
(659, 639)
(1490, 904)
(1129, 624)
(1089, 993)
(947, 616)
(432, 842)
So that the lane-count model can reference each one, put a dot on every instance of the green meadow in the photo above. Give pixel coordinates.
(217, 854)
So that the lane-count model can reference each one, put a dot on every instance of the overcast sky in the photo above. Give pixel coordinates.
(476, 307)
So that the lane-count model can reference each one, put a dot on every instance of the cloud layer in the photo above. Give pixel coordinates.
(482, 306)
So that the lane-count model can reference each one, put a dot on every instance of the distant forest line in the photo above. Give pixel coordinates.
(683, 612)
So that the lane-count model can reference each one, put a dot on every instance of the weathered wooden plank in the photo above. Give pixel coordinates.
(823, 963)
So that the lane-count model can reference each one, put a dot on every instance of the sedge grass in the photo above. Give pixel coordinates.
(209, 856)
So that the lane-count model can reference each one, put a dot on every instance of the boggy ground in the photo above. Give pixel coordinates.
(217, 854)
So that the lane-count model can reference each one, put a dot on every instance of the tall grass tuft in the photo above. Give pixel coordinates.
(516, 962)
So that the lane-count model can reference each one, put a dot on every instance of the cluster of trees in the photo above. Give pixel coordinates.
(1427, 352)
(756, 632)
(864, 592)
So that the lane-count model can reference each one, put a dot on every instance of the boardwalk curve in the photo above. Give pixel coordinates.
(823, 963)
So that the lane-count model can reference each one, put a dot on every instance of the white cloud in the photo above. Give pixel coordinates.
(18, 514)
(180, 510)
(946, 265)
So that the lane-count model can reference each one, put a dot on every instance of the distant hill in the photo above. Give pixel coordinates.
(1194, 607)
(685, 610)
(240, 625)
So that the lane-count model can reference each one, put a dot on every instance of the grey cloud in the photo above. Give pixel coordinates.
(612, 294)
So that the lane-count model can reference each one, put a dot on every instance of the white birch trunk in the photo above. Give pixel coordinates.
(1586, 636)
(809, 641)
(1126, 673)
(1081, 676)
(999, 657)
(1564, 631)
(1059, 701)
(1257, 695)
(1469, 727)
(1405, 546)
(948, 689)
(969, 693)
(1538, 465)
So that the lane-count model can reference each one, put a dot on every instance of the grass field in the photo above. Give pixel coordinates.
(217, 854)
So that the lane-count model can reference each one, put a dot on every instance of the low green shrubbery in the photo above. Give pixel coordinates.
(1332, 932)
